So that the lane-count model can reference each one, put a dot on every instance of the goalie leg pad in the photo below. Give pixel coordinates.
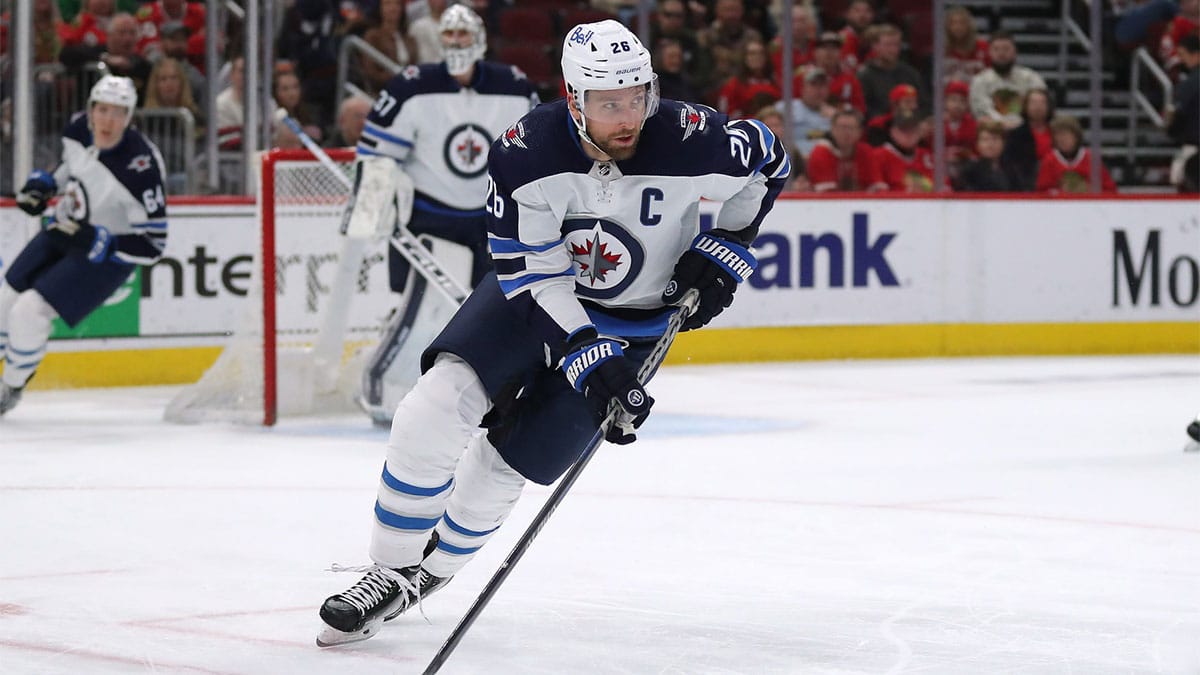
(383, 198)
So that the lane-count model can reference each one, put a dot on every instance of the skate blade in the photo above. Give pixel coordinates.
(332, 637)
(1192, 446)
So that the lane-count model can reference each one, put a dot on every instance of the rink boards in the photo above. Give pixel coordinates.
(838, 278)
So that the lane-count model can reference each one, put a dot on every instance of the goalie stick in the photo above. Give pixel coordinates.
(687, 305)
(327, 352)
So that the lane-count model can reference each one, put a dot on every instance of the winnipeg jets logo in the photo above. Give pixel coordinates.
(692, 120)
(140, 163)
(605, 256)
(514, 136)
(73, 204)
(594, 260)
(466, 150)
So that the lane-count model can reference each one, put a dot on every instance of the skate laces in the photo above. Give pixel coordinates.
(371, 589)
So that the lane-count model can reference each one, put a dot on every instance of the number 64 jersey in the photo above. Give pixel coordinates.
(120, 189)
(579, 241)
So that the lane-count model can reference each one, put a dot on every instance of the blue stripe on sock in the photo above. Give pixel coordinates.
(403, 522)
(408, 489)
(464, 531)
(457, 550)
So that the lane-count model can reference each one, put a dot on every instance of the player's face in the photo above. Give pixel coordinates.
(108, 124)
(614, 120)
(457, 38)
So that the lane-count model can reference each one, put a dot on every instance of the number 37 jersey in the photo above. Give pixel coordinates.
(567, 231)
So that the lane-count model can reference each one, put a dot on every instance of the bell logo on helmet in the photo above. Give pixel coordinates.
(581, 37)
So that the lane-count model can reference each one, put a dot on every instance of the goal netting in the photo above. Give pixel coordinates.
(316, 304)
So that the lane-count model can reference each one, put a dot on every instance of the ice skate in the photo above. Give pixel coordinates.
(381, 595)
(9, 397)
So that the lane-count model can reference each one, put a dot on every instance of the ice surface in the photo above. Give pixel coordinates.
(940, 516)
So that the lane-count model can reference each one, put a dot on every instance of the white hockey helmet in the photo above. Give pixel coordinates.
(114, 90)
(604, 56)
(459, 58)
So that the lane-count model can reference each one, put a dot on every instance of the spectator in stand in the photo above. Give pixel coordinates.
(859, 16)
(670, 22)
(88, 30)
(811, 112)
(309, 39)
(1025, 146)
(904, 165)
(843, 161)
(998, 92)
(286, 92)
(726, 38)
(1186, 22)
(902, 101)
(424, 33)
(168, 87)
(389, 34)
(752, 87)
(845, 91)
(1183, 118)
(229, 107)
(960, 127)
(352, 117)
(797, 180)
(174, 44)
(154, 16)
(1068, 167)
(885, 71)
(989, 172)
(118, 51)
(966, 52)
(48, 33)
(673, 81)
(804, 41)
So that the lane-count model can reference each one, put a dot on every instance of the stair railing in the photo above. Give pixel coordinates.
(1143, 61)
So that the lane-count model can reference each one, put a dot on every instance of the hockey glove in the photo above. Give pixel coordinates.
(714, 266)
(597, 367)
(95, 240)
(36, 193)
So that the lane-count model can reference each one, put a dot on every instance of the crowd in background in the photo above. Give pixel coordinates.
(860, 115)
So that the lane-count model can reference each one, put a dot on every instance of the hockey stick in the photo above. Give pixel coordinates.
(327, 352)
(687, 305)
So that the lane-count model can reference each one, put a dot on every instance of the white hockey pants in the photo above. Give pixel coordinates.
(25, 325)
(429, 481)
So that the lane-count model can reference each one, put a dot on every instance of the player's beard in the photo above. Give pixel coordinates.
(623, 151)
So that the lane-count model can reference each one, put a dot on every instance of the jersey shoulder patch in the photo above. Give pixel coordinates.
(539, 144)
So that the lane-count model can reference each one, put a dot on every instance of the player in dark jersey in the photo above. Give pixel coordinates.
(593, 226)
(111, 216)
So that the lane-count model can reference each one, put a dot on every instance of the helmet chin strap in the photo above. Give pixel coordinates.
(581, 127)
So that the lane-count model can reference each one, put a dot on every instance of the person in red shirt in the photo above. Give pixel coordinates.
(904, 165)
(860, 14)
(843, 162)
(151, 17)
(1186, 22)
(902, 99)
(752, 87)
(960, 125)
(845, 91)
(966, 52)
(804, 33)
(1068, 167)
(89, 30)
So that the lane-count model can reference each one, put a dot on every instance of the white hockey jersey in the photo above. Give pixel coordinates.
(564, 228)
(120, 189)
(441, 131)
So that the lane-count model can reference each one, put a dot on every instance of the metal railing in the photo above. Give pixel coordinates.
(173, 130)
(352, 45)
(1143, 61)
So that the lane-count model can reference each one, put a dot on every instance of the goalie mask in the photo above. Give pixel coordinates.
(464, 39)
(606, 56)
(113, 90)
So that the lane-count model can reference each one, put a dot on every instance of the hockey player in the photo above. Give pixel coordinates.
(423, 164)
(593, 226)
(110, 217)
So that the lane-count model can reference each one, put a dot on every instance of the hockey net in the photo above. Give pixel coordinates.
(313, 292)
